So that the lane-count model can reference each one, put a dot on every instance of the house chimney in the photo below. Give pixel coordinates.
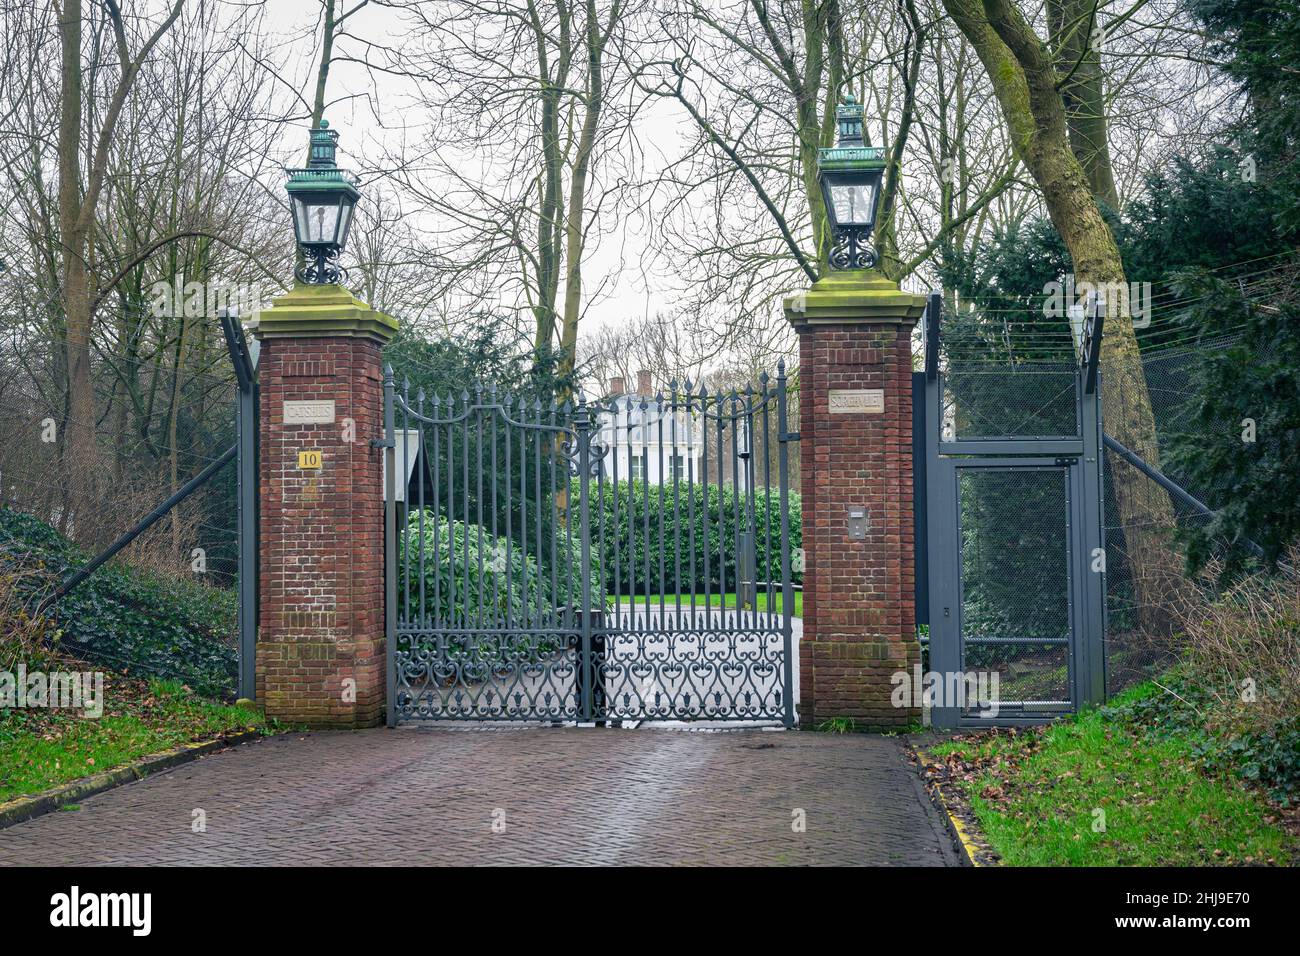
(643, 382)
(616, 386)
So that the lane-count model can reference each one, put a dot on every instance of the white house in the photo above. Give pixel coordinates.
(657, 443)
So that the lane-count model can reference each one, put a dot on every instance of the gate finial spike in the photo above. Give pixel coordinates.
(780, 366)
(388, 374)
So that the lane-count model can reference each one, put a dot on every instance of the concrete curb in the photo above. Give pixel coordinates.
(960, 833)
(21, 809)
(965, 837)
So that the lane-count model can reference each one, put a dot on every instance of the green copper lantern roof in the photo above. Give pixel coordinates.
(321, 174)
(852, 157)
(851, 149)
(321, 180)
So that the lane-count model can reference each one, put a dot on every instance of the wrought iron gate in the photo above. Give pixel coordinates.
(624, 559)
(1013, 499)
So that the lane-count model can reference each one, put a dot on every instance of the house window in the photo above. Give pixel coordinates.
(679, 467)
(639, 467)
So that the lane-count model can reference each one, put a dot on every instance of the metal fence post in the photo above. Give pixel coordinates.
(787, 586)
(390, 547)
(246, 418)
(246, 488)
(582, 423)
(1093, 691)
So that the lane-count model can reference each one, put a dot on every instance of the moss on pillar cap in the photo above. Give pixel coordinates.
(322, 310)
(864, 295)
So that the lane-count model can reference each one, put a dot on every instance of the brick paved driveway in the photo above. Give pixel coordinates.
(569, 796)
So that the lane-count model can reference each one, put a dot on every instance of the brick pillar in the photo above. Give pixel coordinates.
(855, 426)
(320, 645)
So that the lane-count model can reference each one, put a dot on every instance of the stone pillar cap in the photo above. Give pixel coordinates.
(316, 311)
(856, 296)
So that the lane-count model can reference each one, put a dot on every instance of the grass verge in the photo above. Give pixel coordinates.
(1102, 790)
(42, 748)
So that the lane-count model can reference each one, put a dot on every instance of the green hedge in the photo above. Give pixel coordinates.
(461, 559)
(125, 619)
(654, 526)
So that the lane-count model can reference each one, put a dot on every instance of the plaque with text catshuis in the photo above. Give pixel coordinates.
(856, 401)
(309, 412)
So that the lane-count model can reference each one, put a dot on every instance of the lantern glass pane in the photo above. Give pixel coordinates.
(853, 202)
(345, 219)
(322, 220)
(299, 217)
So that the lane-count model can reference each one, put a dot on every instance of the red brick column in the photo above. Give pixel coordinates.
(859, 625)
(320, 650)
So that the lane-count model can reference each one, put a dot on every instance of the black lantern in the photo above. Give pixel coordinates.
(322, 197)
(850, 174)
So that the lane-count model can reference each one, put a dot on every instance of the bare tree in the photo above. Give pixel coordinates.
(759, 80)
(78, 201)
(527, 104)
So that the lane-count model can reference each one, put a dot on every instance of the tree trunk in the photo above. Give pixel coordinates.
(576, 227)
(323, 70)
(173, 436)
(1075, 32)
(79, 425)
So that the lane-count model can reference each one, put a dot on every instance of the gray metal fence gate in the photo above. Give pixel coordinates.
(1016, 566)
(625, 559)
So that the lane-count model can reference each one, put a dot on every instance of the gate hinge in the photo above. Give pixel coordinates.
(383, 443)
(788, 436)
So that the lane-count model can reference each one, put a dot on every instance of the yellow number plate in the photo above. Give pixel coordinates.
(309, 459)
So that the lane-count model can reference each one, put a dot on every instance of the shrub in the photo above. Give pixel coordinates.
(1236, 688)
(660, 561)
(462, 561)
(1243, 648)
(129, 620)
(1268, 758)
(25, 637)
